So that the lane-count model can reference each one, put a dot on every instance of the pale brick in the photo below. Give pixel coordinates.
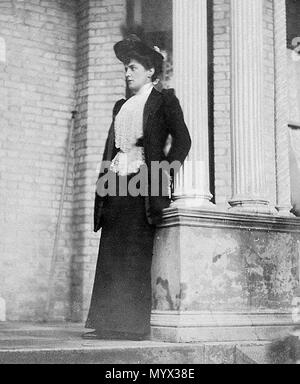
(35, 52)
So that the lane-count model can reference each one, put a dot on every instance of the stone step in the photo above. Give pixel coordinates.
(282, 351)
(252, 354)
(143, 354)
(112, 352)
(129, 354)
(62, 344)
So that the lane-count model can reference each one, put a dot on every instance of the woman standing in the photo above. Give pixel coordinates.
(121, 300)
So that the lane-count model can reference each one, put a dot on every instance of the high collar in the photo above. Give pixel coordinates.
(153, 102)
(147, 88)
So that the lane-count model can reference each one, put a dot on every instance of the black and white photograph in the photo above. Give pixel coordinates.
(149, 185)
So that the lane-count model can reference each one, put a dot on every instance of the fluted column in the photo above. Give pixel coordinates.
(281, 111)
(190, 81)
(249, 184)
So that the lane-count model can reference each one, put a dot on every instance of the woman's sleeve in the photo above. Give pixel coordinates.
(109, 147)
(98, 203)
(181, 143)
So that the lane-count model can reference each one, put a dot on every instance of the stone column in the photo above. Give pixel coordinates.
(281, 111)
(190, 82)
(249, 184)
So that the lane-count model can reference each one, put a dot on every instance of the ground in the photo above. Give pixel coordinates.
(62, 344)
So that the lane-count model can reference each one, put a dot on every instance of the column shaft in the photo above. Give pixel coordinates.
(247, 98)
(190, 80)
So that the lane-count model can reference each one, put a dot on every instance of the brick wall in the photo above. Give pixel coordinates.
(293, 88)
(100, 83)
(59, 57)
(37, 96)
(222, 109)
(269, 102)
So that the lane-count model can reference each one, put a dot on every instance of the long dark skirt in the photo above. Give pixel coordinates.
(121, 299)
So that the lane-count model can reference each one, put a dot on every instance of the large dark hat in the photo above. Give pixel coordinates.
(133, 43)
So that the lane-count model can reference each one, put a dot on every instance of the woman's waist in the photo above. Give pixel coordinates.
(128, 161)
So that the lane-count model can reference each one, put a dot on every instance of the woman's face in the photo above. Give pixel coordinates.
(137, 75)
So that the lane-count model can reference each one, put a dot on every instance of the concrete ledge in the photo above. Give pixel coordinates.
(214, 219)
(225, 334)
(220, 319)
(219, 326)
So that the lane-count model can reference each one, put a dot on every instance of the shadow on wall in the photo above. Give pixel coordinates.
(295, 170)
(285, 351)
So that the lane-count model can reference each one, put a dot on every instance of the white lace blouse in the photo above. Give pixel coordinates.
(128, 129)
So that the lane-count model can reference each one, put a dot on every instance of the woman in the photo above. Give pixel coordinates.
(121, 299)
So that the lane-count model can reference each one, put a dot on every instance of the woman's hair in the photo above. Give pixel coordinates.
(147, 62)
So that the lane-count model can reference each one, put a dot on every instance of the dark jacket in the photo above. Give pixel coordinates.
(162, 116)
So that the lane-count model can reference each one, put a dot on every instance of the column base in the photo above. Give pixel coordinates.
(202, 202)
(285, 211)
(189, 327)
(252, 206)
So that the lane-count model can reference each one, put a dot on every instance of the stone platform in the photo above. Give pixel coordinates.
(62, 344)
(224, 277)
